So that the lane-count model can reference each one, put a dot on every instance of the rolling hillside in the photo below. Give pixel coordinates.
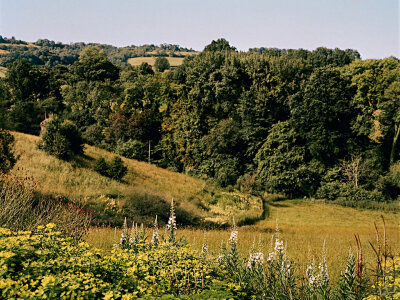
(77, 180)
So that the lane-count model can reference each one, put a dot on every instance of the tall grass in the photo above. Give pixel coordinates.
(78, 180)
(303, 225)
(23, 208)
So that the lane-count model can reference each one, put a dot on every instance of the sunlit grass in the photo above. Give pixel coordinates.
(304, 227)
(77, 180)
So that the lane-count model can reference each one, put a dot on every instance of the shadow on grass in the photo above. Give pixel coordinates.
(277, 204)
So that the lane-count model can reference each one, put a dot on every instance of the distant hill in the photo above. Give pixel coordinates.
(46, 52)
(77, 180)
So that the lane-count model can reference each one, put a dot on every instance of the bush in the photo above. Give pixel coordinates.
(115, 170)
(101, 166)
(144, 207)
(132, 149)
(62, 140)
(7, 158)
(347, 194)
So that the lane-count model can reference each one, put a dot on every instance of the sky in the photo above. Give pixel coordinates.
(370, 26)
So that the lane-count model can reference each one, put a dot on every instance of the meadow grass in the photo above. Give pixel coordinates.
(303, 225)
(3, 70)
(77, 180)
(173, 61)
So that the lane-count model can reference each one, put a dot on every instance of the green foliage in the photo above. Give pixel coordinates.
(293, 118)
(219, 45)
(115, 169)
(322, 113)
(347, 194)
(7, 156)
(61, 139)
(282, 164)
(145, 69)
(44, 264)
(161, 64)
(101, 167)
(132, 149)
(145, 205)
(93, 65)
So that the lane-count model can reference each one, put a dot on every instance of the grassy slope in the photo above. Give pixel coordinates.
(77, 180)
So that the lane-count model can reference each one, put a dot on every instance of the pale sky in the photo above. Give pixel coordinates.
(369, 26)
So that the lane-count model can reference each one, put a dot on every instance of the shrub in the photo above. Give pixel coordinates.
(132, 149)
(62, 140)
(117, 169)
(145, 206)
(101, 166)
(7, 158)
(347, 194)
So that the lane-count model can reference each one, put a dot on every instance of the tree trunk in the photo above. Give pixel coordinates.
(149, 151)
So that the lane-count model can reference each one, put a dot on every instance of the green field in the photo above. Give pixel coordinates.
(173, 61)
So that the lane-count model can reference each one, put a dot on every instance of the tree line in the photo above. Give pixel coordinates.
(50, 53)
(320, 123)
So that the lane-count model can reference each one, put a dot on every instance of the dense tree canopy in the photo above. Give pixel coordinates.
(294, 120)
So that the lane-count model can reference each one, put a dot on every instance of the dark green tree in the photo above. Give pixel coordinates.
(61, 139)
(219, 45)
(7, 157)
(161, 64)
(93, 65)
(322, 113)
(282, 165)
(117, 170)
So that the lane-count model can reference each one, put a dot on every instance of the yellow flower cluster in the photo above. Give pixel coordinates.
(45, 264)
(389, 285)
